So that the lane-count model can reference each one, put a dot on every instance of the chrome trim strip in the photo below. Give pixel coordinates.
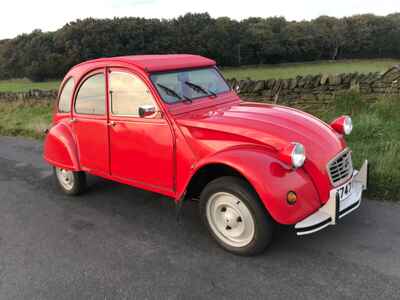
(349, 209)
(314, 228)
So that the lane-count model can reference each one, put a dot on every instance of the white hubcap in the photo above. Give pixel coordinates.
(66, 178)
(230, 219)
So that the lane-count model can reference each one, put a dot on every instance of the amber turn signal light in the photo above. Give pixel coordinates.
(291, 198)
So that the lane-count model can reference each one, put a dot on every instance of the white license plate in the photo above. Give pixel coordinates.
(345, 190)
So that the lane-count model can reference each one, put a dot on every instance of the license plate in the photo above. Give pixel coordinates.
(345, 190)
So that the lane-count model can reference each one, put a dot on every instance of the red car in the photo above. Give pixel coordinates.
(170, 124)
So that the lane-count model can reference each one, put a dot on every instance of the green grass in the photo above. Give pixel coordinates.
(24, 85)
(28, 119)
(284, 71)
(376, 137)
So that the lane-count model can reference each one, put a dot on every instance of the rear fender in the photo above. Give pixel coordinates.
(272, 180)
(60, 148)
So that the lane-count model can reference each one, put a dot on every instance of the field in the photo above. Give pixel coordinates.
(284, 71)
(23, 85)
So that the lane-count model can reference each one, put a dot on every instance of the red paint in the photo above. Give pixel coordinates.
(338, 124)
(286, 152)
(157, 63)
(161, 153)
(61, 148)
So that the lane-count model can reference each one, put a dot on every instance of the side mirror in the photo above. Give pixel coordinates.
(236, 88)
(146, 110)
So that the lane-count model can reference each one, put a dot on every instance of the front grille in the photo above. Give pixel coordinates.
(340, 168)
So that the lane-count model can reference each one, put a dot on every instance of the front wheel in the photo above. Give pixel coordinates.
(70, 182)
(235, 217)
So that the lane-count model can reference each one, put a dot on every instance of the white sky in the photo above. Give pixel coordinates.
(18, 16)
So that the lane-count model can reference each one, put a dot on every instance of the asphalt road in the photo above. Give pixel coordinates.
(116, 242)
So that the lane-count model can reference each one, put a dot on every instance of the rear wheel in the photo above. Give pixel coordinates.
(70, 182)
(235, 217)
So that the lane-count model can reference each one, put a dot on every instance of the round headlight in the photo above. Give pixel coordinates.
(347, 125)
(293, 154)
(298, 155)
(343, 125)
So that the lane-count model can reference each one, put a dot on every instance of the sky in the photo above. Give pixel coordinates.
(19, 16)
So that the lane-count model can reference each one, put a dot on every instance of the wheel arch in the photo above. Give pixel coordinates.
(243, 162)
(268, 177)
(60, 149)
(209, 172)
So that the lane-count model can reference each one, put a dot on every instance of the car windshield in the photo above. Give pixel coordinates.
(181, 86)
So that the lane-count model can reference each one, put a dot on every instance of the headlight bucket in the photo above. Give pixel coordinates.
(342, 125)
(293, 154)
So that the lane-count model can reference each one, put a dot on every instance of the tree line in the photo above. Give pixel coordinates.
(46, 55)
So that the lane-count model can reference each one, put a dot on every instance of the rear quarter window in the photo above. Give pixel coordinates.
(91, 96)
(64, 102)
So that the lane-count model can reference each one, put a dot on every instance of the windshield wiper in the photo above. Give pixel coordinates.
(173, 93)
(199, 88)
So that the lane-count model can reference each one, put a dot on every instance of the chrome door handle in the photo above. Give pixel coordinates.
(112, 124)
(72, 120)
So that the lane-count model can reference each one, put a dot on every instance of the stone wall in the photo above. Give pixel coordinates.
(29, 95)
(320, 87)
(307, 88)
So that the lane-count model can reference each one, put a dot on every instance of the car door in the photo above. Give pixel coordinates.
(89, 123)
(141, 148)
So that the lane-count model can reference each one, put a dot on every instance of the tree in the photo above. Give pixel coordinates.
(44, 55)
(330, 33)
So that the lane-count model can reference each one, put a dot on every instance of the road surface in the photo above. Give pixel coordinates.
(116, 242)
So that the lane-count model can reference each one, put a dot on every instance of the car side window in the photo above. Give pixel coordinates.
(64, 102)
(127, 93)
(91, 96)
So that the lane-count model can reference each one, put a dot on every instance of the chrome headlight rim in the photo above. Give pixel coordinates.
(347, 125)
(298, 155)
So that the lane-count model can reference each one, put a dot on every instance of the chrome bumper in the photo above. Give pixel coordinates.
(333, 210)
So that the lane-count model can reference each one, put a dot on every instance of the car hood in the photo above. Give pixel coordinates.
(272, 126)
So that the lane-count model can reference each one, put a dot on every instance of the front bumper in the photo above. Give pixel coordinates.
(333, 210)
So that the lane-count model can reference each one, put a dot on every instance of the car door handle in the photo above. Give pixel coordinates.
(72, 120)
(112, 124)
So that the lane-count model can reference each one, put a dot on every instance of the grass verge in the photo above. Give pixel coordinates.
(25, 118)
(376, 134)
(376, 137)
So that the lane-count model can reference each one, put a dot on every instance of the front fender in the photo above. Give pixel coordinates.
(60, 149)
(272, 180)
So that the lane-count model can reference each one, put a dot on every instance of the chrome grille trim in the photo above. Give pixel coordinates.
(340, 168)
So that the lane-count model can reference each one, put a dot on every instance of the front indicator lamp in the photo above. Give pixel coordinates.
(291, 198)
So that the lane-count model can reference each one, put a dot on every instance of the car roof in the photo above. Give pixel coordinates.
(158, 63)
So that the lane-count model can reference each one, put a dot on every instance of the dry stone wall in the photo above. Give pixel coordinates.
(306, 88)
(29, 95)
(320, 87)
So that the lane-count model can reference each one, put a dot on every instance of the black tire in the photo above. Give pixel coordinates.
(263, 223)
(78, 186)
